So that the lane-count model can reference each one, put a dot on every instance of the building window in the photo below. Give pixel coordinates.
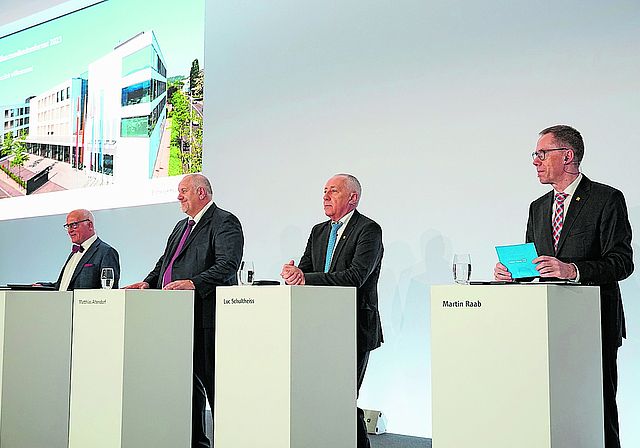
(108, 164)
(137, 93)
(134, 127)
(136, 61)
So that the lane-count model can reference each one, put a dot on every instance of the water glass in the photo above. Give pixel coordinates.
(106, 278)
(246, 274)
(462, 268)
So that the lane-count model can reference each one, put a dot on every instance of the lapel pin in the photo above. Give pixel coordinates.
(578, 198)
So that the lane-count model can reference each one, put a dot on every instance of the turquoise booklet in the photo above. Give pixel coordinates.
(517, 258)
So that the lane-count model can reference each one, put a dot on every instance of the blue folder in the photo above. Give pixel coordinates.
(517, 258)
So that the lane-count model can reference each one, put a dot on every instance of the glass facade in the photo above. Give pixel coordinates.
(142, 126)
(144, 58)
(143, 92)
(135, 127)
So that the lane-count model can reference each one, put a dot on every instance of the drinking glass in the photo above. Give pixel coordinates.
(106, 278)
(462, 268)
(246, 273)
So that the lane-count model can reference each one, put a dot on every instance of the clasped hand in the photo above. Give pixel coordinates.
(292, 275)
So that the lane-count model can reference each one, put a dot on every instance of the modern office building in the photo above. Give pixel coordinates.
(56, 124)
(126, 113)
(15, 117)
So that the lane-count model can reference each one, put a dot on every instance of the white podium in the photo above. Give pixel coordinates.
(35, 358)
(285, 367)
(516, 366)
(131, 372)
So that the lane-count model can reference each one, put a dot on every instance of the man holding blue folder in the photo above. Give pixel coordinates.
(582, 233)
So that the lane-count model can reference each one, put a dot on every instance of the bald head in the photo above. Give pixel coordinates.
(194, 192)
(80, 225)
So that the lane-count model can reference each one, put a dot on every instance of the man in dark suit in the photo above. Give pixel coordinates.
(591, 244)
(89, 256)
(203, 252)
(352, 256)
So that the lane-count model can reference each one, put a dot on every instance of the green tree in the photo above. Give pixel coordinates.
(193, 76)
(198, 87)
(17, 149)
(174, 86)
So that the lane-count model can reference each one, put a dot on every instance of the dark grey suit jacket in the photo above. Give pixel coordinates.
(596, 237)
(356, 261)
(210, 257)
(87, 273)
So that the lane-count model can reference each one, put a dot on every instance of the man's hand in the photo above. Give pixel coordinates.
(501, 274)
(292, 275)
(180, 284)
(552, 267)
(139, 285)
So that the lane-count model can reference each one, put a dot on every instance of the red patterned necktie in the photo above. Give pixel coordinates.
(558, 218)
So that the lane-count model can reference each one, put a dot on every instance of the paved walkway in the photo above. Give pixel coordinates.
(61, 176)
(161, 167)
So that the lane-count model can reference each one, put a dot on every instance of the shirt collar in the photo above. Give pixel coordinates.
(571, 188)
(86, 244)
(201, 212)
(345, 219)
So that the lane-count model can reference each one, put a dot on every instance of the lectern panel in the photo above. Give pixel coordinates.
(35, 332)
(285, 367)
(516, 365)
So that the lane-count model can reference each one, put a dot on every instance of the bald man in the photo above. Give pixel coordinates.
(88, 257)
(203, 252)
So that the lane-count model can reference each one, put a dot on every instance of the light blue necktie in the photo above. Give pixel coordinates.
(332, 242)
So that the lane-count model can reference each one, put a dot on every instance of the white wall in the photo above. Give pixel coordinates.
(435, 107)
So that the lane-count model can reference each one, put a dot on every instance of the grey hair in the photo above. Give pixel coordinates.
(353, 184)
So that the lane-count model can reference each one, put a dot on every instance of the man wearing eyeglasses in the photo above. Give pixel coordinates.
(582, 233)
(88, 257)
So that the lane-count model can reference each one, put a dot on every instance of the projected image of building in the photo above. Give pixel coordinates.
(15, 117)
(126, 110)
(106, 124)
(55, 128)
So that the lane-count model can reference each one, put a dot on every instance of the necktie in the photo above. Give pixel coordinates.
(558, 218)
(167, 274)
(77, 248)
(332, 242)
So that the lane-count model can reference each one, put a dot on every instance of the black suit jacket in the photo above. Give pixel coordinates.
(209, 257)
(356, 261)
(87, 273)
(596, 237)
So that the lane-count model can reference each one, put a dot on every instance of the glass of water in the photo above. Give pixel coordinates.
(246, 274)
(462, 268)
(106, 278)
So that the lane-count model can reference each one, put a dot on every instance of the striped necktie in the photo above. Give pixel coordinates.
(332, 242)
(558, 218)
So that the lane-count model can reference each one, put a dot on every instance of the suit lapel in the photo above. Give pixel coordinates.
(321, 253)
(579, 198)
(546, 243)
(340, 243)
(86, 256)
(196, 230)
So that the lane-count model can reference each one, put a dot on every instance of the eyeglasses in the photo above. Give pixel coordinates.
(542, 154)
(74, 225)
